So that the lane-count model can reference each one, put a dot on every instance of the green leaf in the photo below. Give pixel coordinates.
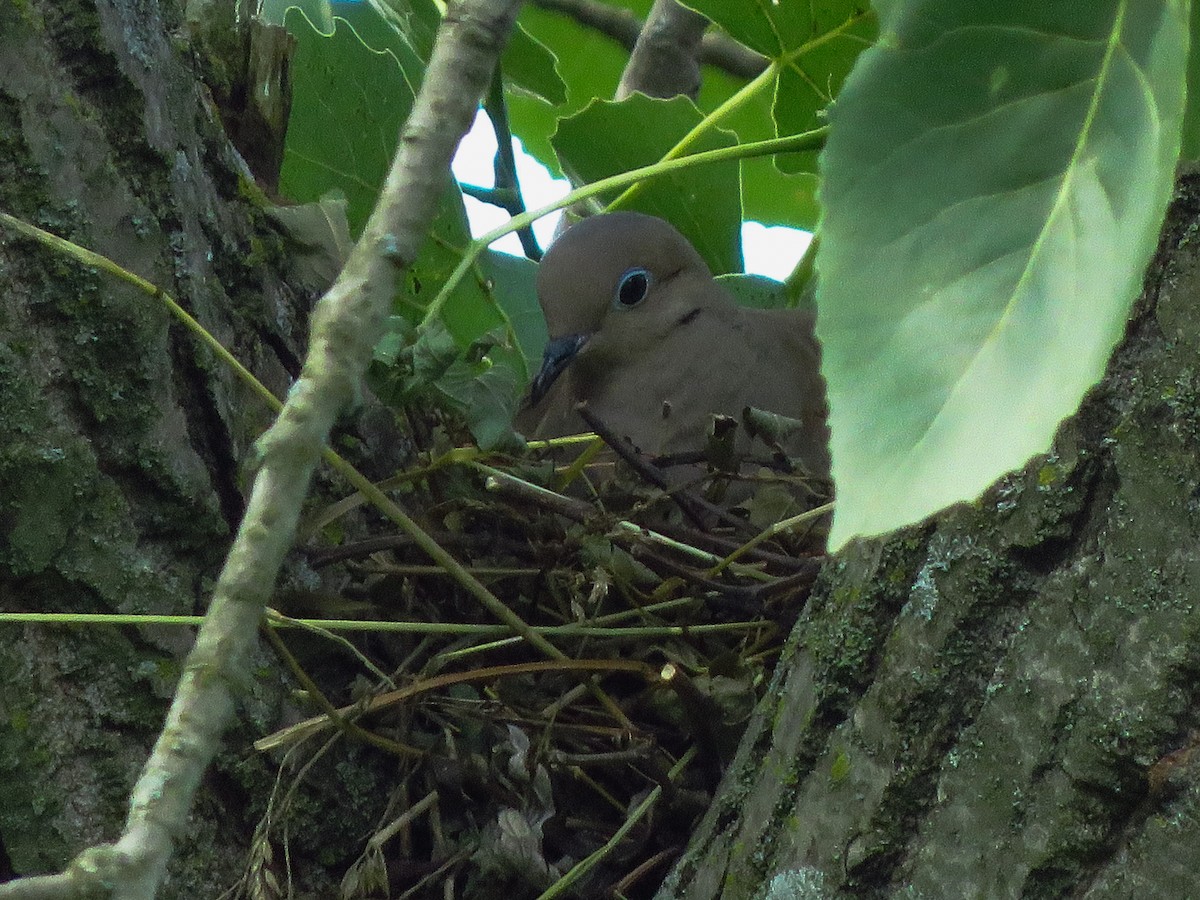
(756, 291)
(590, 64)
(488, 393)
(274, 12)
(994, 185)
(814, 43)
(415, 22)
(352, 91)
(532, 68)
(704, 203)
(512, 282)
(788, 31)
(484, 382)
(1191, 119)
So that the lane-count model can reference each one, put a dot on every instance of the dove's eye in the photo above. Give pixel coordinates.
(632, 287)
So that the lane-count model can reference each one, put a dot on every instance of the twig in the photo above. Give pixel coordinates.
(646, 469)
(664, 61)
(589, 862)
(716, 49)
(508, 186)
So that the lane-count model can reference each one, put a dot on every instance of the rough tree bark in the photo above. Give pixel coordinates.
(463, 60)
(1001, 703)
(121, 441)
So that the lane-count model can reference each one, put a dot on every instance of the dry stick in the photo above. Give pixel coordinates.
(639, 812)
(344, 723)
(735, 592)
(303, 730)
(345, 326)
(717, 543)
(508, 485)
(649, 472)
(803, 518)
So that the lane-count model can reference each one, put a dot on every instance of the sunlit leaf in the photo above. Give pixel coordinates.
(994, 186)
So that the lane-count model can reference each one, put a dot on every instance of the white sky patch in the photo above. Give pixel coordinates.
(772, 251)
(473, 165)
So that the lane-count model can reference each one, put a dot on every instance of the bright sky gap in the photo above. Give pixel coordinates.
(770, 251)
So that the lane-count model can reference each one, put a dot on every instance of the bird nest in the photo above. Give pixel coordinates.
(565, 742)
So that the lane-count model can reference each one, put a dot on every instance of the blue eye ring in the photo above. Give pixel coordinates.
(632, 288)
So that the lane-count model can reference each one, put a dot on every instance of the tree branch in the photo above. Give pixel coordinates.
(664, 61)
(716, 48)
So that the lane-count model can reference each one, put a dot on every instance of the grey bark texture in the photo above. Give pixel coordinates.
(122, 443)
(1000, 703)
(664, 61)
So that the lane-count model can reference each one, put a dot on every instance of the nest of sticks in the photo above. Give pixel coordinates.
(534, 693)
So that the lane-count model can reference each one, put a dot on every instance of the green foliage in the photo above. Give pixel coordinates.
(702, 203)
(354, 87)
(994, 184)
(812, 45)
(993, 187)
(756, 291)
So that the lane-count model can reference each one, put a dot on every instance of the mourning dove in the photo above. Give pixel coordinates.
(641, 331)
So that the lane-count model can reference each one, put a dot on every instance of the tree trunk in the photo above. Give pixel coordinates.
(1000, 703)
(122, 441)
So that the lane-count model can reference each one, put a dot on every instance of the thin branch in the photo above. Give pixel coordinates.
(507, 186)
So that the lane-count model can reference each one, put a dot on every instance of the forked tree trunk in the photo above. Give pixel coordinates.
(1001, 703)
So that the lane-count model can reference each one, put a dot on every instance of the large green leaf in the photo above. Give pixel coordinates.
(769, 195)
(994, 186)
(590, 64)
(354, 87)
(1191, 120)
(532, 69)
(814, 43)
(704, 203)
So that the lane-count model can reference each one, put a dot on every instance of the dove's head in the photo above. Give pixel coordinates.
(617, 285)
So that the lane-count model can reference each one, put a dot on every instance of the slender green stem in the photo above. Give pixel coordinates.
(104, 264)
(589, 862)
(800, 278)
(767, 533)
(360, 482)
(708, 123)
(809, 140)
(277, 620)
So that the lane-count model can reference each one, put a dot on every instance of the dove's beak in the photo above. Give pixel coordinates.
(558, 355)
